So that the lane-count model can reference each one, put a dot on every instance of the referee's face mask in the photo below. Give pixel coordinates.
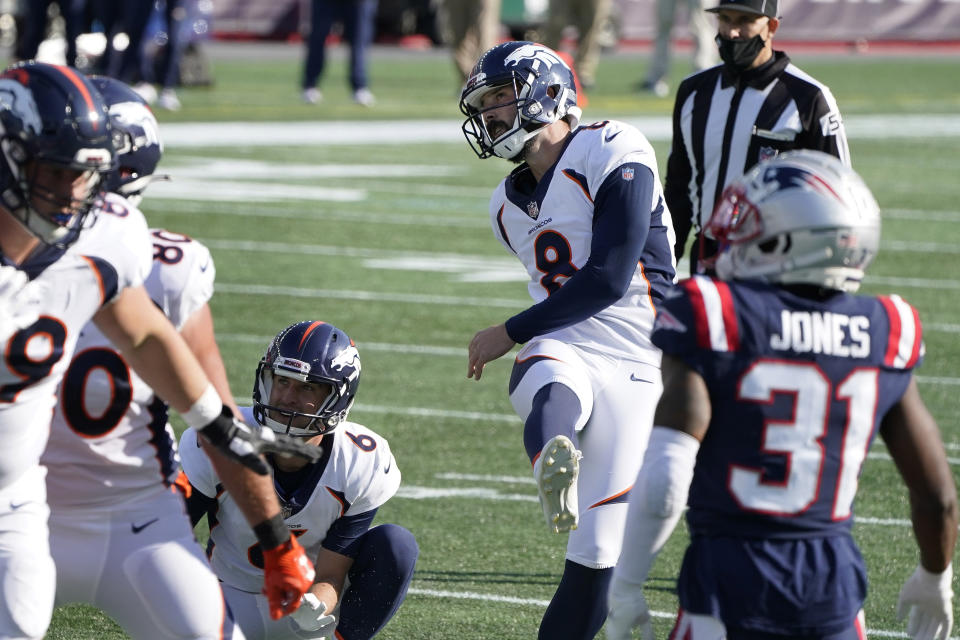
(737, 54)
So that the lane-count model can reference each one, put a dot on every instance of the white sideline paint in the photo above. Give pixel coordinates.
(456, 352)
(415, 492)
(482, 268)
(464, 268)
(489, 597)
(192, 135)
(370, 296)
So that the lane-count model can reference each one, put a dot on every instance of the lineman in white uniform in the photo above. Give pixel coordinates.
(88, 258)
(584, 212)
(305, 385)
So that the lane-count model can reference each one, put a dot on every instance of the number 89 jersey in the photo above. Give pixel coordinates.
(109, 256)
(798, 388)
(110, 439)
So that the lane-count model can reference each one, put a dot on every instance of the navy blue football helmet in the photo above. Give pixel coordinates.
(308, 351)
(544, 92)
(136, 136)
(51, 115)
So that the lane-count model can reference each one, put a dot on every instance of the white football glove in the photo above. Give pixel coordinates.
(928, 597)
(20, 301)
(627, 609)
(311, 615)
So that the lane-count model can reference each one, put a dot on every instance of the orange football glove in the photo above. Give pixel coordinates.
(287, 574)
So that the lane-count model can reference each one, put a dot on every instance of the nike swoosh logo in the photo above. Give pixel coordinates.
(206, 265)
(135, 529)
(611, 136)
(634, 377)
(16, 505)
(387, 468)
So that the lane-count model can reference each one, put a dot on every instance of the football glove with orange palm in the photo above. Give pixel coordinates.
(287, 574)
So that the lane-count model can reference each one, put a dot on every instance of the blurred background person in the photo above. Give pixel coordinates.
(588, 16)
(728, 118)
(475, 27)
(35, 27)
(702, 34)
(357, 17)
(129, 17)
(161, 64)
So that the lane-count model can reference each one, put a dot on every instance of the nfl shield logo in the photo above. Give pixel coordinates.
(766, 153)
(533, 210)
(626, 173)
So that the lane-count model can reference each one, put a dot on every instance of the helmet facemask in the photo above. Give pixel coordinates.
(52, 120)
(282, 420)
(543, 92)
(48, 213)
(803, 218)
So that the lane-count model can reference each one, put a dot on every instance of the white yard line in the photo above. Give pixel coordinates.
(380, 133)
(369, 296)
(534, 602)
(456, 352)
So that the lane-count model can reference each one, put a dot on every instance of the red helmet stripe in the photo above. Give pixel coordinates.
(73, 77)
(307, 333)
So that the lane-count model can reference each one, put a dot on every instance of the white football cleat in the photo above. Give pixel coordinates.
(312, 96)
(556, 472)
(364, 97)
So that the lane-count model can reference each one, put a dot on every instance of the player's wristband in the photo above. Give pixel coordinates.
(205, 410)
(272, 533)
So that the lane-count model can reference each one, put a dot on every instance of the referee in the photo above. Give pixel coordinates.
(731, 116)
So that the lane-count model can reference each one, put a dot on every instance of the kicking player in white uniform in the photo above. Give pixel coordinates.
(119, 535)
(585, 214)
(84, 259)
(305, 385)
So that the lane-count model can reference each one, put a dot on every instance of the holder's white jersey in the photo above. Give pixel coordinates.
(111, 443)
(111, 254)
(358, 474)
(552, 237)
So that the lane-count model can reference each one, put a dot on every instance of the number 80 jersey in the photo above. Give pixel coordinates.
(798, 387)
(110, 441)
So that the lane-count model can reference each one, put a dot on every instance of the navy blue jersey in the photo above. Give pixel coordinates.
(798, 388)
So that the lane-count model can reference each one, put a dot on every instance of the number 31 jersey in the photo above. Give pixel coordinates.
(111, 443)
(798, 388)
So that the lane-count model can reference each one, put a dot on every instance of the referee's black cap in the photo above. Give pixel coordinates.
(767, 8)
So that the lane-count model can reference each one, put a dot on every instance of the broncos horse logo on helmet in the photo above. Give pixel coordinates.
(308, 351)
(544, 92)
(136, 137)
(51, 115)
(800, 218)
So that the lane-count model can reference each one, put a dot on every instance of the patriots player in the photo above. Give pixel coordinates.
(84, 258)
(305, 385)
(584, 213)
(776, 381)
(112, 456)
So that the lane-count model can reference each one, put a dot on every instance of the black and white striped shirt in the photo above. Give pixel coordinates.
(724, 124)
